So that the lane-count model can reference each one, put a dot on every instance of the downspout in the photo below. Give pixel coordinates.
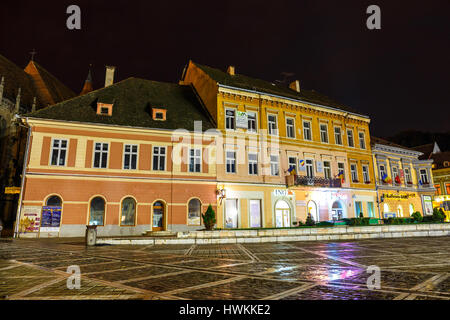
(376, 187)
(22, 187)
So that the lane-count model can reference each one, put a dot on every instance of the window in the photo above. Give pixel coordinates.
(251, 116)
(362, 140)
(231, 161)
(324, 133)
(130, 157)
(438, 189)
(59, 151)
(366, 176)
(424, 176)
(194, 211)
(309, 168)
(350, 138)
(307, 130)
(447, 187)
(231, 213)
(354, 172)
(274, 166)
(230, 119)
(97, 212)
(411, 209)
(292, 164)
(337, 135)
(100, 155)
(195, 160)
(327, 169)
(104, 110)
(272, 124)
(290, 127)
(159, 158)
(255, 213)
(358, 208)
(370, 209)
(383, 174)
(128, 213)
(54, 201)
(253, 163)
(159, 114)
(395, 174)
(341, 170)
(408, 176)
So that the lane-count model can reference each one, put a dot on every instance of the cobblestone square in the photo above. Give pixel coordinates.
(411, 269)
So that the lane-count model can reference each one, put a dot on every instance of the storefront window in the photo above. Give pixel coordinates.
(282, 214)
(358, 208)
(370, 209)
(97, 211)
(231, 213)
(194, 209)
(337, 211)
(399, 211)
(255, 214)
(128, 212)
(312, 209)
(411, 209)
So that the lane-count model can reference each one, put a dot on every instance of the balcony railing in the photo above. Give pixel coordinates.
(315, 181)
(404, 184)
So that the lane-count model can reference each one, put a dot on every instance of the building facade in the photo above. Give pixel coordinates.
(115, 158)
(404, 183)
(286, 152)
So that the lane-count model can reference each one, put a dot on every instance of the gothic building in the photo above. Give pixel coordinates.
(21, 91)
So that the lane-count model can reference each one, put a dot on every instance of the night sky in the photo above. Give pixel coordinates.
(398, 75)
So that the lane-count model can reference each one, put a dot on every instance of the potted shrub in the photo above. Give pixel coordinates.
(438, 215)
(310, 220)
(417, 216)
(209, 218)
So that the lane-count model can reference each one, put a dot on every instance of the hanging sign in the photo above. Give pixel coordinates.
(12, 190)
(241, 120)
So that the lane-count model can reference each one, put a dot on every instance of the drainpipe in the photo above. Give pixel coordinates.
(376, 188)
(22, 187)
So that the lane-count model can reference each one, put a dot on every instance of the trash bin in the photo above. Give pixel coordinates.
(91, 235)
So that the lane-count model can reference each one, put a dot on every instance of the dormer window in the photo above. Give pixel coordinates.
(104, 109)
(159, 114)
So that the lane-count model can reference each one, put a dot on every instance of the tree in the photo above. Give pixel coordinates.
(310, 220)
(209, 218)
(417, 216)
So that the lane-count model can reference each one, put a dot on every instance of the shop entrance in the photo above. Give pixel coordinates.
(282, 214)
(158, 216)
(337, 211)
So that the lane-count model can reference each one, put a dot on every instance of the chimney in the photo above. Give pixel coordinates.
(295, 85)
(109, 78)
(230, 70)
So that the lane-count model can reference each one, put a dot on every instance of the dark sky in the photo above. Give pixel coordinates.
(398, 75)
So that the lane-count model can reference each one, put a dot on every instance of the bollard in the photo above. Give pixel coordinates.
(91, 235)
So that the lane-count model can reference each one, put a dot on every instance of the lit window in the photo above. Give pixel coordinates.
(194, 212)
(290, 127)
(130, 157)
(324, 133)
(231, 162)
(159, 158)
(274, 165)
(195, 160)
(272, 124)
(128, 213)
(337, 135)
(97, 212)
(307, 130)
(59, 151)
(253, 163)
(100, 155)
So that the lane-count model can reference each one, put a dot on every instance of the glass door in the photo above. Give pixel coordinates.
(231, 213)
(255, 214)
(158, 216)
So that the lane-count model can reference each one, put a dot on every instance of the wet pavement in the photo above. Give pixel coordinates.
(410, 268)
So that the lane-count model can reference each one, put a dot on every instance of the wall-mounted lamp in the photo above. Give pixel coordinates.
(221, 194)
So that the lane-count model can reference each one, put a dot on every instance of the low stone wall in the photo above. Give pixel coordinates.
(300, 234)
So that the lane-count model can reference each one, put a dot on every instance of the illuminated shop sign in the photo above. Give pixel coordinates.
(241, 120)
(398, 196)
(282, 192)
(442, 198)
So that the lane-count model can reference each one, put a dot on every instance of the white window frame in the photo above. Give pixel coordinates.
(231, 159)
(275, 165)
(234, 118)
(130, 154)
(322, 131)
(159, 156)
(348, 138)
(309, 130)
(366, 173)
(59, 149)
(292, 126)
(338, 134)
(251, 163)
(354, 173)
(424, 175)
(256, 122)
(197, 159)
(294, 164)
(269, 127)
(408, 177)
(362, 139)
(327, 176)
(101, 153)
(343, 168)
(312, 168)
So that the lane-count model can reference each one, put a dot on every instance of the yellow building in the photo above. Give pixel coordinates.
(404, 183)
(281, 152)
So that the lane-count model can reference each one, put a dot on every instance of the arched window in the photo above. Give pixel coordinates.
(337, 210)
(128, 212)
(194, 212)
(97, 212)
(54, 201)
(411, 209)
(312, 208)
(399, 211)
(385, 208)
(282, 214)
